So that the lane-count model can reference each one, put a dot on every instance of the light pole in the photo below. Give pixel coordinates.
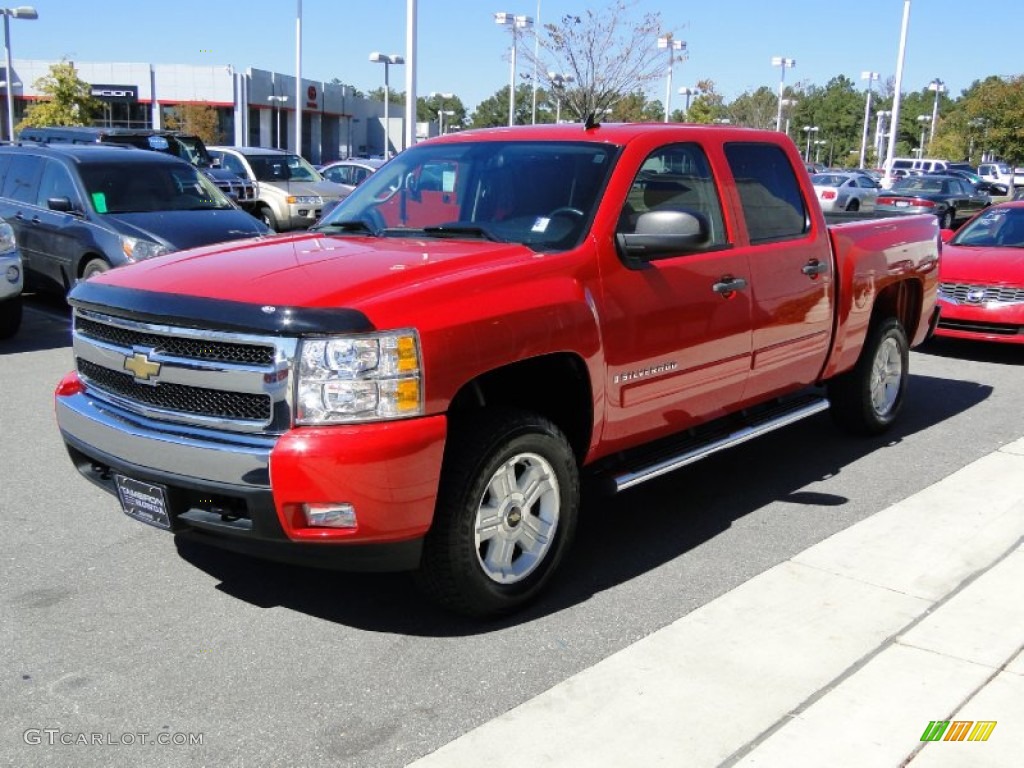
(282, 99)
(687, 92)
(880, 128)
(939, 87)
(558, 83)
(788, 103)
(900, 57)
(513, 22)
(441, 111)
(809, 129)
(784, 64)
(386, 59)
(818, 144)
(28, 13)
(870, 77)
(924, 120)
(668, 42)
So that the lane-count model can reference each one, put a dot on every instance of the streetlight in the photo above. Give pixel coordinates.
(880, 129)
(558, 83)
(924, 120)
(386, 59)
(668, 42)
(688, 92)
(939, 87)
(28, 13)
(788, 103)
(809, 129)
(900, 59)
(513, 22)
(282, 98)
(870, 77)
(818, 144)
(441, 111)
(784, 64)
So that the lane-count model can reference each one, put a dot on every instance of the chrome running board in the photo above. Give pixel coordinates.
(695, 449)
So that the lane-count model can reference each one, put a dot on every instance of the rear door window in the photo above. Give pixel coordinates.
(22, 180)
(773, 205)
(56, 182)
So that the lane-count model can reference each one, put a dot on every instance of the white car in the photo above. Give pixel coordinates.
(837, 191)
(12, 278)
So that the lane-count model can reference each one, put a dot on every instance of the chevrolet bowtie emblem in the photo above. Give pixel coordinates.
(141, 367)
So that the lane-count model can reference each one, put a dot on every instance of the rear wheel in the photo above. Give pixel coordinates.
(506, 514)
(853, 205)
(947, 219)
(867, 399)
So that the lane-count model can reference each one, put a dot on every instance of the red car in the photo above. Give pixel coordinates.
(981, 277)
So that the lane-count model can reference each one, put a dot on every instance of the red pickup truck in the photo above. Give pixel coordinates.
(420, 381)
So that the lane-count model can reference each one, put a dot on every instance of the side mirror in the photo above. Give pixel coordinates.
(660, 234)
(60, 204)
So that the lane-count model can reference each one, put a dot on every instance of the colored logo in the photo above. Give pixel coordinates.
(958, 730)
(141, 367)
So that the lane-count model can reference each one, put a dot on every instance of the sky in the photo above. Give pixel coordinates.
(461, 50)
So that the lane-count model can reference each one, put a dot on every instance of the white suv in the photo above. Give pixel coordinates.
(291, 193)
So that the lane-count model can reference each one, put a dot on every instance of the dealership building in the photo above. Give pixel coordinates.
(255, 107)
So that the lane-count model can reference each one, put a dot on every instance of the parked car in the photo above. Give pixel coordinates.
(11, 282)
(981, 278)
(352, 172)
(949, 198)
(292, 193)
(845, 191)
(80, 209)
(1001, 173)
(998, 193)
(183, 145)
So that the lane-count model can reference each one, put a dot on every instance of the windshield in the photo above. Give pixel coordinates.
(143, 187)
(996, 226)
(194, 151)
(540, 194)
(282, 167)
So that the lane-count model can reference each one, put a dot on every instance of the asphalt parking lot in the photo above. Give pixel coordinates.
(115, 635)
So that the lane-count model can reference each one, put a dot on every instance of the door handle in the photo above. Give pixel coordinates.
(813, 268)
(729, 284)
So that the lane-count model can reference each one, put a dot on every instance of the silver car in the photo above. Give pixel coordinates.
(12, 279)
(845, 191)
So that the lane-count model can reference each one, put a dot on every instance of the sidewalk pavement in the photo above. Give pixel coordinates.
(842, 656)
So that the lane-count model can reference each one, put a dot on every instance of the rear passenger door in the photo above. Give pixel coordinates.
(19, 193)
(791, 280)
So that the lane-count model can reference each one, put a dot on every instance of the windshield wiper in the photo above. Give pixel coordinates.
(349, 225)
(462, 230)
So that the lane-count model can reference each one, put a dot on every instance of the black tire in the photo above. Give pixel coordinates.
(94, 267)
(10, 317)
(948, 219)
(853, 205)
(867, 399)
(480, 570)
(266, 215)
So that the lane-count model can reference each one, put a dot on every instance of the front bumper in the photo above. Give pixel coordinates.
(245, 492)
(984, 322)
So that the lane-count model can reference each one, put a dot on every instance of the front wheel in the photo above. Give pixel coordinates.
(267, 217)
(95, 267)
(867, 399)
(506, 514)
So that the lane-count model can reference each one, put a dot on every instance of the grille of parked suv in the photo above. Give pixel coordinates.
(963, 293)
(237, 382)
(242, 190)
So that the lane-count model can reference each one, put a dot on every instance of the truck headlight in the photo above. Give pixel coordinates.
(305, 200)
(7, 241)
(359, 378)
(137, 249)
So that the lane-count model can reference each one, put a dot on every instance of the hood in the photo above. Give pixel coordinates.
(188, 229)
(989, 265)
(322, 271)
(221, 174)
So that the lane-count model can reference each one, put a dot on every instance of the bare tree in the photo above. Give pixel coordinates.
(606, 54)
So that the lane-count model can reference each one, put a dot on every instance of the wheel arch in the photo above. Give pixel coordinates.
(902, 300)
(555, 386)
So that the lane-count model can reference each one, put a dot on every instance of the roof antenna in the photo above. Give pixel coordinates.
(591, 121)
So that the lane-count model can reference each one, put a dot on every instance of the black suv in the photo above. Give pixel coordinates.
(79, 209)
(185, 146)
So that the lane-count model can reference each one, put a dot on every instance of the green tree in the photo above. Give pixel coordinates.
(635, 108)
(196, 119)
(394, 97)
(709, 106)
(996, 107)
(428, 108)
(606, 52)
(69, 101)
(493, 112)
(755, 110)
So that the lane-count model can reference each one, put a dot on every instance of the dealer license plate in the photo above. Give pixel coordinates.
(143, 501)
(902, 204)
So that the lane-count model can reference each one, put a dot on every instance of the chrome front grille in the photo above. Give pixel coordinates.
(238, 382)
(966, 293)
